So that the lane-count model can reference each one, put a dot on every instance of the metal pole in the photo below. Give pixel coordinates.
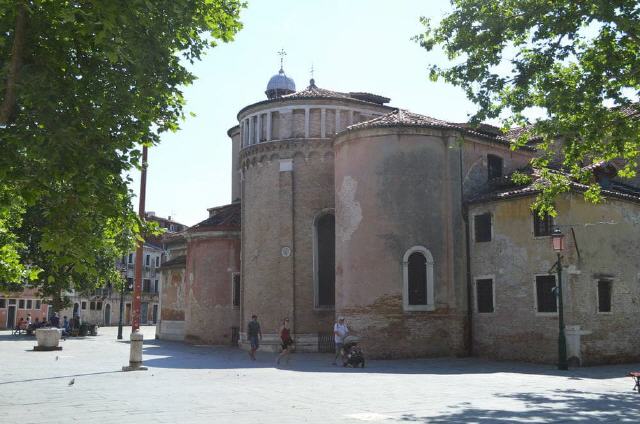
(121, 310)
(562, 340)
(137, 285)
(135, 351)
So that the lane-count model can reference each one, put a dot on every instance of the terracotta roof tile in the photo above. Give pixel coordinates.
(404, 118)
(225, 217)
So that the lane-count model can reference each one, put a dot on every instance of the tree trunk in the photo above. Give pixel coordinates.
(8, 107)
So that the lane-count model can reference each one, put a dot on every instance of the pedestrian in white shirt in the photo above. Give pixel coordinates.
(340, 331)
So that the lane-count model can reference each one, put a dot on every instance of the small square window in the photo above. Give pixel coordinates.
(84, 305)
(21, 303)
(99, 306)
(29, 304)
(38, 304)
(546, 293)
(542, 226)
(3, 303)
(12, 301)
(130, 258)
(484, 295)
(92, 306)
(494, 167)
(482, 227)
(604, 296)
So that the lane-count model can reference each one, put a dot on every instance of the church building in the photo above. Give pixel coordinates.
(410, 228)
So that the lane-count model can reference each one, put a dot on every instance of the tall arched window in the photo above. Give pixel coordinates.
(418, 290)
(325, 261)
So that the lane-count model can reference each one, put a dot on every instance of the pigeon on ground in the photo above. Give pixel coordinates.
(73, 380)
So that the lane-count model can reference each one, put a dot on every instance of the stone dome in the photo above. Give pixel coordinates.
(279, 85)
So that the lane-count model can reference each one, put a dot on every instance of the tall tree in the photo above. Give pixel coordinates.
(575, 62)
(83, 84)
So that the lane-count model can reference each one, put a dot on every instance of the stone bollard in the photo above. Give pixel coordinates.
(135, 353)
(48, 339)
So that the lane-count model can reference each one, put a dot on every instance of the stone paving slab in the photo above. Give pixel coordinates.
(205, 384)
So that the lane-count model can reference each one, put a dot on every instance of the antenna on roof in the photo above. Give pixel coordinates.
(312, 81)
(282, 54)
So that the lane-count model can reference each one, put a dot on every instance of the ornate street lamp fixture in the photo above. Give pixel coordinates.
(558, 246)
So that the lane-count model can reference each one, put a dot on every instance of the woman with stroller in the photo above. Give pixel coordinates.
(287, 341)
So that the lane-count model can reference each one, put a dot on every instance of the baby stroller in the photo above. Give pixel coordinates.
(353, 355)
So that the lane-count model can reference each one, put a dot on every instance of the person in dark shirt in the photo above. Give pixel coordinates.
(55, 320)
(254, 334)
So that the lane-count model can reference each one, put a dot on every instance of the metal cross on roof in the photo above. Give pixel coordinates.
(282, 54)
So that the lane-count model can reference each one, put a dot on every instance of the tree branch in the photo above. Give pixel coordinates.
(8, 107)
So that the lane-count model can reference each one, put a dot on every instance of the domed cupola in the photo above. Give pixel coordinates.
(280, 85)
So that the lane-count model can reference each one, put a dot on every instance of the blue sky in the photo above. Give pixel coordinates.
(355, 45)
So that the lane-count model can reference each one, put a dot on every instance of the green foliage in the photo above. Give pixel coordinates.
(83, 85)
(576, 62)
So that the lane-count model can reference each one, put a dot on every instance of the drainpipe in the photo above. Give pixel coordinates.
(465, 218)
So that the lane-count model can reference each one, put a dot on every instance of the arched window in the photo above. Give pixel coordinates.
(325, 261)
(418, 290)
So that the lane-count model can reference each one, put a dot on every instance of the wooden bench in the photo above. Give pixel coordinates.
(636, 377)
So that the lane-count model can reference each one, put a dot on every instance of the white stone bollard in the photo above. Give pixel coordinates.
(135, 352)
(48, 339)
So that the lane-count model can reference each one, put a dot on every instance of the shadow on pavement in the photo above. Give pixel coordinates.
(58, 377)
(168, 354)
(558, 406)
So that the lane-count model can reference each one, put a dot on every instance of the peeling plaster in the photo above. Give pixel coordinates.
(350, 212)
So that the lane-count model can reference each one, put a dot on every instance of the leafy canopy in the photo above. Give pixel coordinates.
(83, 84)
(576, 63)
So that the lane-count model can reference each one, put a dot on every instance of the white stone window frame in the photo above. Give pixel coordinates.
(233, 290)
(535, 295)
(314, 233)
(473, 225)
(491, 277)
(430, 306)
(596, 281)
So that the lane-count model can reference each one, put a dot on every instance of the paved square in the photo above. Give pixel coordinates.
(204, 384)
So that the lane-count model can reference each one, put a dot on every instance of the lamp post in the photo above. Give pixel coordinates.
(558, 246)
(123, 271)
(136, 338)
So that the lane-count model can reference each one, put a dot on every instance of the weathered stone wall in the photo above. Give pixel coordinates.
(475, 172)
(172, 304)
(396, 189)
(212, 258)
(286, 182)
(607, 238)
(289, 184)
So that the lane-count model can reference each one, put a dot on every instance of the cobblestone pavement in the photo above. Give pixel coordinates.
(204, 384)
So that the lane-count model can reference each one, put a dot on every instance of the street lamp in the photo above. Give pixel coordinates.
(123, 272)
(558, 246)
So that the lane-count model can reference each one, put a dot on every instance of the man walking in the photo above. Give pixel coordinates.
(340, 331)
(254, 334)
